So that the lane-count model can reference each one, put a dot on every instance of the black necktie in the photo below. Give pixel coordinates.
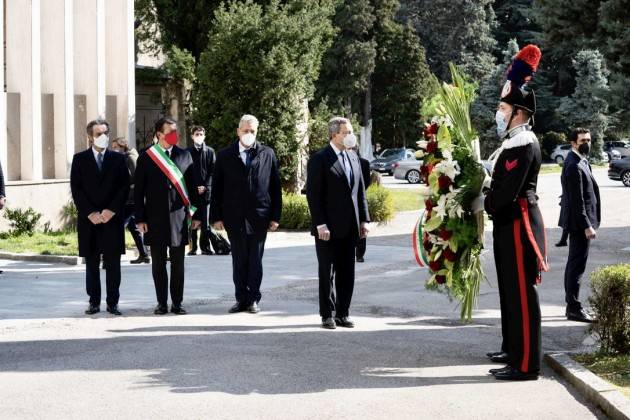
(168, 154)
(99, 161)
(347, 169)
(248, 157)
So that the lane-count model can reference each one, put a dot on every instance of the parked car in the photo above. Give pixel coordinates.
(619, 170)
(617, 149)
(559, 154)
(384, 162)
(408, 169)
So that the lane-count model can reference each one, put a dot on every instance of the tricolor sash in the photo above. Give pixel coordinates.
(174, 175)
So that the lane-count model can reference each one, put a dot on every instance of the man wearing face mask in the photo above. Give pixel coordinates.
(246, 200)
(337, 201)
(166, 207)
(518, 229)
(99, 182)
(580, 215)
(203, 162)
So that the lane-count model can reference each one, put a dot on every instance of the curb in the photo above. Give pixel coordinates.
(593, 388)
(54, 259)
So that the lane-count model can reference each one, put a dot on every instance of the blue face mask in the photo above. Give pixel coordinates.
(502, 125)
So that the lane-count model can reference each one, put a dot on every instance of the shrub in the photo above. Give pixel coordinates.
(295, 213)
(69, 215)
(380, 204)
(610, 300)
(22, 221)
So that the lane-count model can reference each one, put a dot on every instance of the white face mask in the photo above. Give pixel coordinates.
(350, 141)
(102, 141)
(248, 140)
(502, 125)
(199, 140)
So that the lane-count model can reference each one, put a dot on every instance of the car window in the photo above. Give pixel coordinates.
(390, 153)
(565, 147)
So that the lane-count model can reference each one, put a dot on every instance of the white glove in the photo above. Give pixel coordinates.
(477, 204)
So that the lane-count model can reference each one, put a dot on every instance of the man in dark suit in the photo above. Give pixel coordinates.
(203, 163)
(246, 200)
(580, 215)
(367, 180)
(99, 182)
(336, 198)
(165, 183)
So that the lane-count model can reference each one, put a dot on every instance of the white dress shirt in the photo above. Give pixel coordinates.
(242, 152)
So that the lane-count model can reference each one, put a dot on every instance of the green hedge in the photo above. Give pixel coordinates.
(610, 300)
(295, 213)
(380, 203)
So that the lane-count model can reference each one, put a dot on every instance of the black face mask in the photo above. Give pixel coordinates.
(584, 148)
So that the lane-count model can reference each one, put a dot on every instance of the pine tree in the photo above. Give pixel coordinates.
(587, 106)
(349, 63)
(457, 31)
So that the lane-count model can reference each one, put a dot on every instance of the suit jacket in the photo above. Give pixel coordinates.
(580, 206)
(203, 162)
(132, 161)
(158, 203)
(2, 192)
(366, 171)
(94, 190)
(239, 194)
(331, 200)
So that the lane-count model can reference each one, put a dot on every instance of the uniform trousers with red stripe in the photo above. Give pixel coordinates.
(517, 275)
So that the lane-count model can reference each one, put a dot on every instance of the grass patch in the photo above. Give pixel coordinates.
(554, 168)
(406, 200)
(614, 369)
(53, 243)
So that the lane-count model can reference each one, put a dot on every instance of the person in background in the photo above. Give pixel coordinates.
(367, 180)
(121, 145)
(203, 163)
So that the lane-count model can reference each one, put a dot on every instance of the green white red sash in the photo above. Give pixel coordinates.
(172, 172)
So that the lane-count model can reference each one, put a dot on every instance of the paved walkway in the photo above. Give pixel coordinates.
(408, 358)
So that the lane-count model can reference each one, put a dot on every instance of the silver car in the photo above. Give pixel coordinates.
(408, 169)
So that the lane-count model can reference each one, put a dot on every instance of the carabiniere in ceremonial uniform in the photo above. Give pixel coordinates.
(519, 233)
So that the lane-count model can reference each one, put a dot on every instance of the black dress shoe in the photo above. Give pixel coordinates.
(237, 307)
(113, 310)
(500, 358)
(160, 310)
(92, 309)
(142, 259)
(512, 374)
(561, 244)
(497, 370)
(360, 259)
(579, 316)
(345, 322)
(178, 310)
(191, 253)
(328, 323)
(253, 308)
(493, 353)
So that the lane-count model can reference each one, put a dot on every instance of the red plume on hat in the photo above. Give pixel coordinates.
(524, 65)
(519, 73)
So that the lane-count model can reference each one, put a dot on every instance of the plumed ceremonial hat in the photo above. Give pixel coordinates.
(515, 91)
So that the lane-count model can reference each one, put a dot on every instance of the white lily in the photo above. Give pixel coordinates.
(441, 209)
(422, 144)
(449, 168)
